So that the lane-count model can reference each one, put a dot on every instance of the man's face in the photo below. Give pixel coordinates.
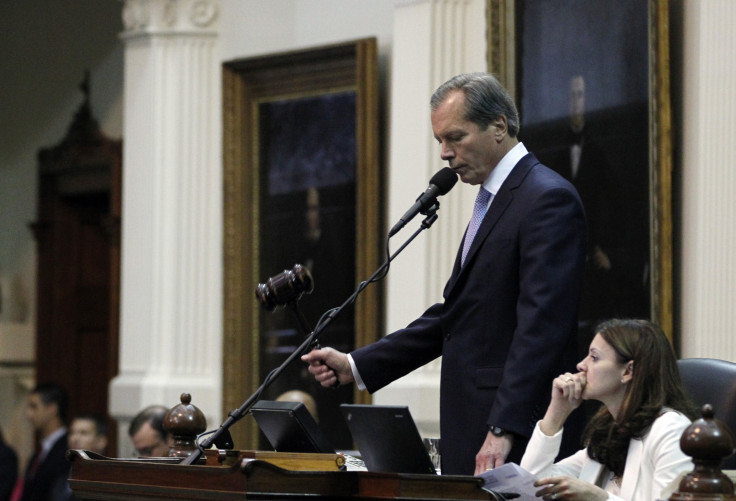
(577, 103)
(39, 413)
(83, 435)
(149, 443)
(471, 152)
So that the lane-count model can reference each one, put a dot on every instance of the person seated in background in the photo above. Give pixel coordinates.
(8, 468)
(88, 432)
(633, 441)
(147, 432)
(301, 396)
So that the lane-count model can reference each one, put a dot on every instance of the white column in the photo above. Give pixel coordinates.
(171, 299)
(433, 41)
(709, 180)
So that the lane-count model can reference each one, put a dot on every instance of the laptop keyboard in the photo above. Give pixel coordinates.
(354, 464)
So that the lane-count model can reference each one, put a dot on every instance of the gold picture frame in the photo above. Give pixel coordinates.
(285, 87)
(506, 20)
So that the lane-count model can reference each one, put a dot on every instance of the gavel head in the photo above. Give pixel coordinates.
(285, 287)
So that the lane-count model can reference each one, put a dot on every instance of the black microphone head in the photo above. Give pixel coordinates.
(444, 179)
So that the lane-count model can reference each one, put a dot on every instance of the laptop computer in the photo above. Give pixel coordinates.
(387, 438)
(289, 427)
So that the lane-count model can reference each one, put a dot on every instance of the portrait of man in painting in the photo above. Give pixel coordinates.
(584, 103)
(307, 216)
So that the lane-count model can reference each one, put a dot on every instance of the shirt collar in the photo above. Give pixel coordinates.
(503, 169)
(50, 440)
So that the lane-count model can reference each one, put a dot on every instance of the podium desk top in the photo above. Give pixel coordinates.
(98, 478)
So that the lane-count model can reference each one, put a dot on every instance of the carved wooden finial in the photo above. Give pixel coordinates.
(184, 422)
(708, 441)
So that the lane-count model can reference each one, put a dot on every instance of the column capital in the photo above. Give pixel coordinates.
(170, 17)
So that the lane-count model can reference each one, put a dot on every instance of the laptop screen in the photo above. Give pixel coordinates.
(289, 427)
(387, 438)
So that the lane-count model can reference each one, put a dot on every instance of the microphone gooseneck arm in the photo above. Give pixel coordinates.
(327, 318)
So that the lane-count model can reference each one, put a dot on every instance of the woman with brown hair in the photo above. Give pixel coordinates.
(633, 442)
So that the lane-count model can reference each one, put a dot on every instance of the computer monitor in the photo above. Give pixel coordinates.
(289, 427)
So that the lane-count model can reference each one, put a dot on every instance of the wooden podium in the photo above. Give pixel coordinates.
(253, 475)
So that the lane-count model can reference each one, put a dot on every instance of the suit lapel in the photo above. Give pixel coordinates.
(500, 203)
(591, 471)
(631, 470)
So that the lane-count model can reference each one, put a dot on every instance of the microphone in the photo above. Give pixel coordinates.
(285, 287)
(441, 183)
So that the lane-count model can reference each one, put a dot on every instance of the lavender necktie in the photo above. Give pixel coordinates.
(479, 211)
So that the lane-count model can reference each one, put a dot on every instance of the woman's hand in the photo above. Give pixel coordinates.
(569, 488)
(567, 395)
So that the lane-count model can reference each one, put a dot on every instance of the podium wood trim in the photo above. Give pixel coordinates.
(96, 478)
(286, 460)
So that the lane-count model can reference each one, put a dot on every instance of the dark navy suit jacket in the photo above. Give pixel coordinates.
(53, 470)
(507, 325)
(8, 470)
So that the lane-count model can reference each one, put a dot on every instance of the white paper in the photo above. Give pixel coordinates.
(511, 478)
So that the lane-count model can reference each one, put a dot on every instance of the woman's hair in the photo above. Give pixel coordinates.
(655, 384)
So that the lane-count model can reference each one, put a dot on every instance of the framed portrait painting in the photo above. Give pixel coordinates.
(302, 186)
(591, 79)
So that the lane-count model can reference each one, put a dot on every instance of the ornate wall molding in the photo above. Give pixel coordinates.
(170, 17)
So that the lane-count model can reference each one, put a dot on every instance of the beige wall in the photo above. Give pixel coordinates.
(47, 46)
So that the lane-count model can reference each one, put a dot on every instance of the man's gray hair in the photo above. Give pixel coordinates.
(485, 100)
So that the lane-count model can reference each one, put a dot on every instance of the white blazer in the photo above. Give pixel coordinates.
(652, 462)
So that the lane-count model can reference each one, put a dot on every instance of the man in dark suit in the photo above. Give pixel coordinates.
(510, 307)
(8, 468)
(48, 467)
